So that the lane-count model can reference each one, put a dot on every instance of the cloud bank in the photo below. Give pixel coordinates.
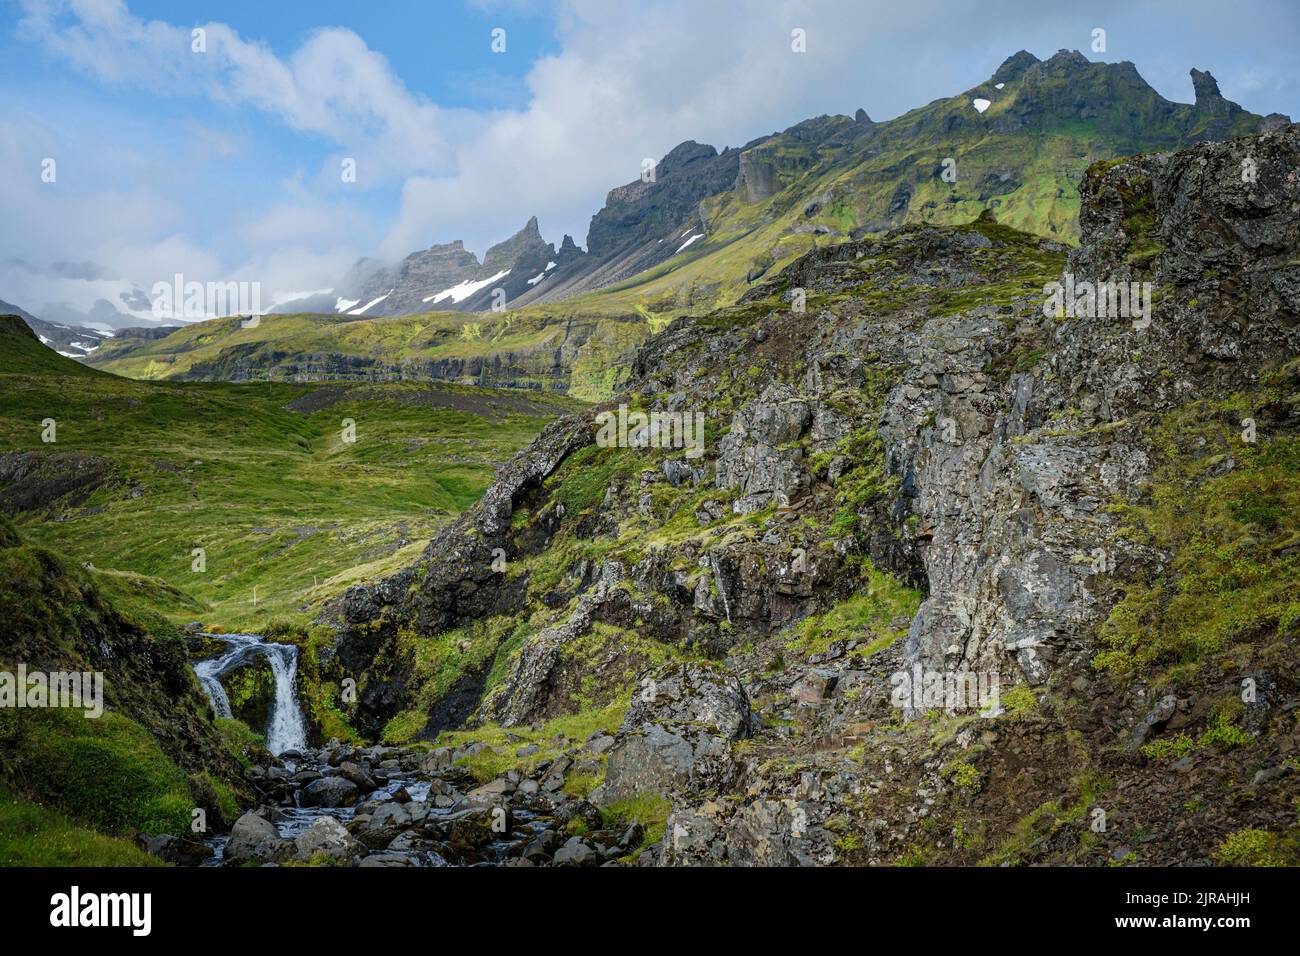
(631, 80)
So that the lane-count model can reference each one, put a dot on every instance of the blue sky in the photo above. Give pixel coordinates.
(227, 165)
(439, 47)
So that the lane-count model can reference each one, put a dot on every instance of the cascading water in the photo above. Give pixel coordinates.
(293, 816)
(287, 730)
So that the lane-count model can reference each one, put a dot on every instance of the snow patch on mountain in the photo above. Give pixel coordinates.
(462, 291)
(698, 235)
(371, 304)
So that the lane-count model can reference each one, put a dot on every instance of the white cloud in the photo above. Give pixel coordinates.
(631, 80)
(332, 85)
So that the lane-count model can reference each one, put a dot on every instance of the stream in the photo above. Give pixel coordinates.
(429, 799)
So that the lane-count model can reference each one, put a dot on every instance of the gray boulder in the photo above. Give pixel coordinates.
(330, 792)
(327, 838)
(577, 852)
(255, 840)
(678, 733)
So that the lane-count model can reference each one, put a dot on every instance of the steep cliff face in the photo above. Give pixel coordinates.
(1019, 498)
(907, 469)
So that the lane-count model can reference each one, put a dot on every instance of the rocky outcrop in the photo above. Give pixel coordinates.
(751, 458)
(1016, 496)
(678, 734)
(884, 413)
(459, 579)
(32, 480)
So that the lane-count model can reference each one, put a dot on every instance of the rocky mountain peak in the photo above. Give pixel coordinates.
(1066, 61)
(568, 250)
(1206, 87)
(641, 213)
(652, 219)
(683, 155)
(1014, 65)
(527, 243)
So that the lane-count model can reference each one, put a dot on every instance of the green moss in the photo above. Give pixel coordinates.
(551, 739)
(650, 810)
(438, 664)
(35, 835)
(964, 776)
(867, 616)
(207, 790)
(1222, 734)
(320, 688)
(1250, 847)
(1019, 701)
(506, 654)
(404, 727)
(1225, 737)
(1039, 824)
(580, 785)
(580, 485)
(1235, 569)
(244, 743)
(251, 691)
(108, 772)
(1170, 748)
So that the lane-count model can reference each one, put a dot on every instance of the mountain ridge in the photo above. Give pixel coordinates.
(642, 214)
(714, 223)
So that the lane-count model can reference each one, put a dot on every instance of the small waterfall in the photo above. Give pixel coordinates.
(287, 730)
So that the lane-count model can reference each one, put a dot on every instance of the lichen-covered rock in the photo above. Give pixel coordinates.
(761, 833)
(254, 839)
(678, 733)
(327, 838)
(750, 457)
(694, 693)
(1013, 485)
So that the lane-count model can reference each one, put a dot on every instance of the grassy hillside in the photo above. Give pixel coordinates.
(101, 566)
(75, 789)
(258, 476)
(593, 340)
